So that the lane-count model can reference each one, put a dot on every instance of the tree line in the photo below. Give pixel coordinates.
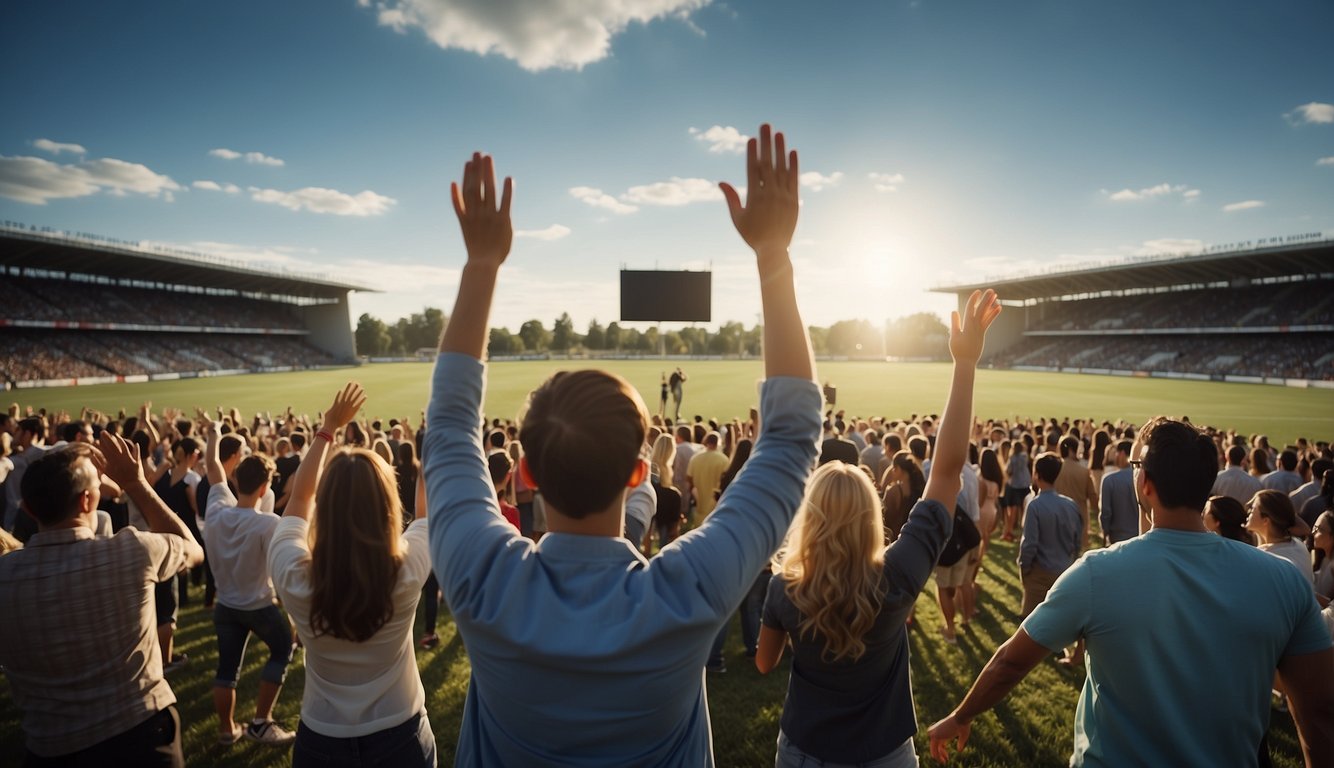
(921, 335)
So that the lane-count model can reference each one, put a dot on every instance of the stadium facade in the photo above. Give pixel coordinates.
(81, 309)
(1255, 312)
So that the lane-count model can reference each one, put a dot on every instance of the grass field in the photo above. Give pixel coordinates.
(1033, 728)
(728, 388)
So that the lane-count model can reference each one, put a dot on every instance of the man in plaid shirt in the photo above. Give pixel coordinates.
(78, 641)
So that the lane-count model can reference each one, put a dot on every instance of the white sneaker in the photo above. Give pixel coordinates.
(269, 732)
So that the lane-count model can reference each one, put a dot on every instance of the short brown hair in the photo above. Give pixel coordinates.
(582, 436)
(253, 472)
(53, 484)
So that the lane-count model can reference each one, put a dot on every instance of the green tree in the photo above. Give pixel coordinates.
(562, 333)
(672, 344)
(372, 337)
(854, 337)
(612, 339)
(502, 342)
(536, 338)
(595, 338)
(919, 335)
(819, 339)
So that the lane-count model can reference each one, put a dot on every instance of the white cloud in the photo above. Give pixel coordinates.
(1244, 205)
(537, 34)
(321, 200)
(1314, 112)
(1325, 161)
(553, 232)
(599, 199)
(56, 147)
(1149, 193)
(722, 139)
(253, 158)
(35, 180)
(675, 192)
(213, 186)
(816, 181)
(886, 182)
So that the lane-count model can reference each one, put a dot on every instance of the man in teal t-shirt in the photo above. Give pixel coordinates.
(1184, 630)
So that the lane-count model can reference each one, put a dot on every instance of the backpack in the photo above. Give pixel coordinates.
(963, 539)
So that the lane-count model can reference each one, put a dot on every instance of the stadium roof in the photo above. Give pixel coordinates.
(1313, 257)
(59, 252)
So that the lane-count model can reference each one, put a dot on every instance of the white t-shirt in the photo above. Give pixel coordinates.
(238, 546)
(1294, 552)
(354, 689)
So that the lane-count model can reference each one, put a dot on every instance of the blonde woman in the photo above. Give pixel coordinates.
(667, 517)
(842, 598)
(350, 578)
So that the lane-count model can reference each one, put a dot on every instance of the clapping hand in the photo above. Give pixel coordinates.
(487, 232)
(969, 330)
(768, 219)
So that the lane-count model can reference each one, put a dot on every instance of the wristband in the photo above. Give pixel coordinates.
(328, 438)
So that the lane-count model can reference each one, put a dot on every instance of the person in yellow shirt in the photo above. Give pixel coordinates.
(703, 473)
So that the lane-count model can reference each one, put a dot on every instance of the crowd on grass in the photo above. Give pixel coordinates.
(593, 553)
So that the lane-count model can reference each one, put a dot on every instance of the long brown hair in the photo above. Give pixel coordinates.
(355, 550)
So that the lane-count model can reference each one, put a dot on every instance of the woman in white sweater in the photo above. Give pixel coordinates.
(351, 582)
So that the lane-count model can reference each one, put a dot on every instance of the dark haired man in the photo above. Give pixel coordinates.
(1119, 517)
(1053, 531)
(583, 651)
(91, 692)
(1180, 622)
(28, 448)
(1285, 479)
(236, 535)
(1076, 483)
(1234, 481)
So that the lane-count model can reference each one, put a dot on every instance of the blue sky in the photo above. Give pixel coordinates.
(947, 141)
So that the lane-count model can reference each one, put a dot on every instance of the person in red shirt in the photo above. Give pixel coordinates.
(501, 467)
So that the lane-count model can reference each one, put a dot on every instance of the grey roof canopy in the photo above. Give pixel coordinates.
(1300, 259)
(57, 253)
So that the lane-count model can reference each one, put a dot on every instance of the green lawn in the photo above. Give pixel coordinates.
(1033, 727)
(728, 388)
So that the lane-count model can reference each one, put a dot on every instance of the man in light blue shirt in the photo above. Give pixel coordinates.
(1119, 516)
(584, 652)
(1053, 531)
(1184, 630)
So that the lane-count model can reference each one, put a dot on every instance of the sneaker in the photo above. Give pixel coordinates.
(269, 732)
(716, 669)
(178, 660)
(429, 641)
(228, 739)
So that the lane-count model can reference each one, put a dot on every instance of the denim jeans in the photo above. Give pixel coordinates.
(789, 756)
(751, 606)
(234, 627)
(409, 744)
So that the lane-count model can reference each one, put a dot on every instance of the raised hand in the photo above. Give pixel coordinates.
(969, 331)
(769, 217)
(345, 406)
(945, 731)
(487, 232)
(119, 460)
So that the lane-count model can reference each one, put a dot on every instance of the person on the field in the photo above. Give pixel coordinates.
(91, 692)
(582, 650)
(1179, 622)
(676, 383)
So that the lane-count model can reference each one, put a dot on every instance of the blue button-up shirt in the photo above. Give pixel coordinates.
(1052, 532)
(582, 650)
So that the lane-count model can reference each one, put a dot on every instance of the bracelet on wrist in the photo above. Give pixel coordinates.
(328, 438)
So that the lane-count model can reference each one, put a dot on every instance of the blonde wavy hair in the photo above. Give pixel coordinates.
(355, 548)
(664, 451)
(833, 560)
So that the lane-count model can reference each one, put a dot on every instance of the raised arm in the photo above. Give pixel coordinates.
(301, 501)
(120, 461)
(766, 222)
(968, 332)
(213, 464)
(487, 234)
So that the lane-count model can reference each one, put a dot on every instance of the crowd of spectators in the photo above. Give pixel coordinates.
(73, 301)
(36, 355)
(1300, 303)
(1294, 356)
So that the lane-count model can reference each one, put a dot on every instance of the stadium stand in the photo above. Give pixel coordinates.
(82, 309)
(1255, 312)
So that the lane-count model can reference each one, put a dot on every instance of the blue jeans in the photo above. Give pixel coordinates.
(234, 627)
(409, 744)
(789, 756)
(751, 606)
